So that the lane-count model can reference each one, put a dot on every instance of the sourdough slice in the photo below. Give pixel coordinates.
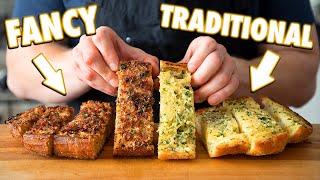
(23, 122)
(220, 132)
(298, 128)
(84, 137)
(264, 133)
(177, 138)
(39, 139)
(134, 129)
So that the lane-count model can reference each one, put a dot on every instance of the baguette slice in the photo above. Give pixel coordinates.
(84, 137)
(264, 133)
(134, 128)
(39, 139)
(298, 128)
(177, 138)
(220, 132)
(23, 122)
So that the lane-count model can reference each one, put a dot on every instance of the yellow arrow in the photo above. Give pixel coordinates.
(53, 79)
(261, 76)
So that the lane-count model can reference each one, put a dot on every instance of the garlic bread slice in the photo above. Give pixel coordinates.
(177, 114)
(220, 132)
(298, 128)
(265, 134)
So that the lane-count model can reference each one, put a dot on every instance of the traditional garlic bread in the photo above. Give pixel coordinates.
(220, 132)
(39, 139)
(134, 129)
(264, 133)
(177, 117)
(84, 137)
(298, 128)
(23, 122)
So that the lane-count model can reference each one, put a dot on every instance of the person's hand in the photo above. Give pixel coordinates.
(214, 74)
(97, 58)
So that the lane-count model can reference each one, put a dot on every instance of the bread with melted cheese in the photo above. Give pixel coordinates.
(134, 129)
(39, 139)
(23, 122)
(220, 133)
(177, 138)
(298, 128)
(264, 133)
(84, 137)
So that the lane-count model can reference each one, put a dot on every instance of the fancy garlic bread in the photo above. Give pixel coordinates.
(177, 139)
(84, 137)
(220, 132)
(134, 129)
(298, 128)
(39, 139)
(264, 133)
(23, 122)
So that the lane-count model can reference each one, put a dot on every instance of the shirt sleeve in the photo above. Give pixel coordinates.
(36, 7)
(288, 10)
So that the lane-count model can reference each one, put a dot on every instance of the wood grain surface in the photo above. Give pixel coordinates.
(298, 161)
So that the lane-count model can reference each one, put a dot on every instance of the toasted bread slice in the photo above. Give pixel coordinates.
(39, 139)
(23, 122)
(84, 137)
(220, 132)
(134, 128)
(298, 128)
(177, 138)
(264, 133)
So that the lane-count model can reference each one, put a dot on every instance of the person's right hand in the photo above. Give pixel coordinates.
(97, 58)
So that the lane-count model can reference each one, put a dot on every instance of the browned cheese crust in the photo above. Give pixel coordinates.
(134, 116)
(39, 139)
(84, 137)
(23, 122)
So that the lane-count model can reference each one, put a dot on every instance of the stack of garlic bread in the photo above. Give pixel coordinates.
(258, 131)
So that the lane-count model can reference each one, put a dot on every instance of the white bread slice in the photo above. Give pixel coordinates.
(298, 128)
(264, 133)
(220, 132)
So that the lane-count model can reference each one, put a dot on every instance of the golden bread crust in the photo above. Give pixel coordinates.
(38, 144)
(39, 139)
(166, 155)
(84, 137)
(272, 145)
(298, 128)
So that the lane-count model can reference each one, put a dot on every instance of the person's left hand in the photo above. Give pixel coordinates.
(214, 74)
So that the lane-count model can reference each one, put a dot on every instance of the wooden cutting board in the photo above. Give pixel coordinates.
(297, 162)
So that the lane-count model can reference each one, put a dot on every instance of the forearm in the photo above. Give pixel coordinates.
(25, 81)
(295, 78)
